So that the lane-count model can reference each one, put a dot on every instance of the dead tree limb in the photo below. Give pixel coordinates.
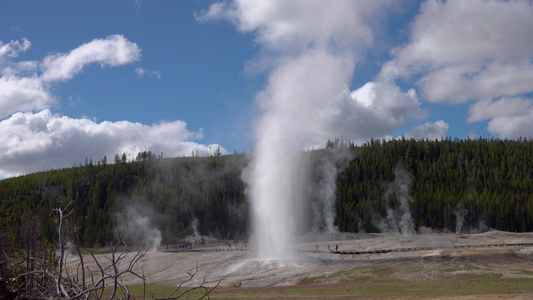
(61, 231)
(202, 286)
(118, 264)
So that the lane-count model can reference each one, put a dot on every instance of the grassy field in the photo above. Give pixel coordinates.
(379, 286)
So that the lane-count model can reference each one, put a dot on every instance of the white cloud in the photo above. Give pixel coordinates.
(13, 48)
(33, 138)
(33, 141)
(379, 109)
(141, 72)
(23, 94)
(458, 84)
(469, 32)
(289, 25)
(115, 50)
(25, 86)
(508, 117)
(504, 107)
(468, 50)
(428, 130)
(513, 126)
(476, 50)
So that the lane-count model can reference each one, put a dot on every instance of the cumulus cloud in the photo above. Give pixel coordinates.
(512, 126)
(477, 50)
(23, 94)
(508, 117)
(13, 48)
(504, 107)
(290, 25)
(25, 86)
(428, 130)
(33, 141)
(472, 35)
(456, 84)
(115, 50)
(380, 108)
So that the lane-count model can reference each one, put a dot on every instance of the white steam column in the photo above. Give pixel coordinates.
(276, 197)
(295, 112)
(310, 49)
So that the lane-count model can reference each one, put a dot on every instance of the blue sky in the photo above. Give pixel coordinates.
(92, 78)
(194, 72)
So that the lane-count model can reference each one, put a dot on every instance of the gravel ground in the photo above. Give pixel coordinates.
(440, 259)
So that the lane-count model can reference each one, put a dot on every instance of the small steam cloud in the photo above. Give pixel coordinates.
(460, 212)
(331, 163)
(398, 220)
(137, 220)
(462, 226)
(195, 236)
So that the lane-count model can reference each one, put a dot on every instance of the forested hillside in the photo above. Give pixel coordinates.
(171, 192)
(399, 185)
(473, 184)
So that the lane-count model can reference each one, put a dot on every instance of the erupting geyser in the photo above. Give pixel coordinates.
(310, 48)
(276, 198)
(295, 117)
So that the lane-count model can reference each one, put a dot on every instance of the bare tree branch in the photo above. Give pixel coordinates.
(61, 232)
(192, 274)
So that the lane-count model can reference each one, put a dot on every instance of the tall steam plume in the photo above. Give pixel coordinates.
(310, 48)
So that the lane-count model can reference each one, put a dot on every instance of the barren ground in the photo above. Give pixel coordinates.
(440, 261)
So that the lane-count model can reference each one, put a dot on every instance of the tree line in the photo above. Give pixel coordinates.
(481, 183)
(180, 190)
(475, 182)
